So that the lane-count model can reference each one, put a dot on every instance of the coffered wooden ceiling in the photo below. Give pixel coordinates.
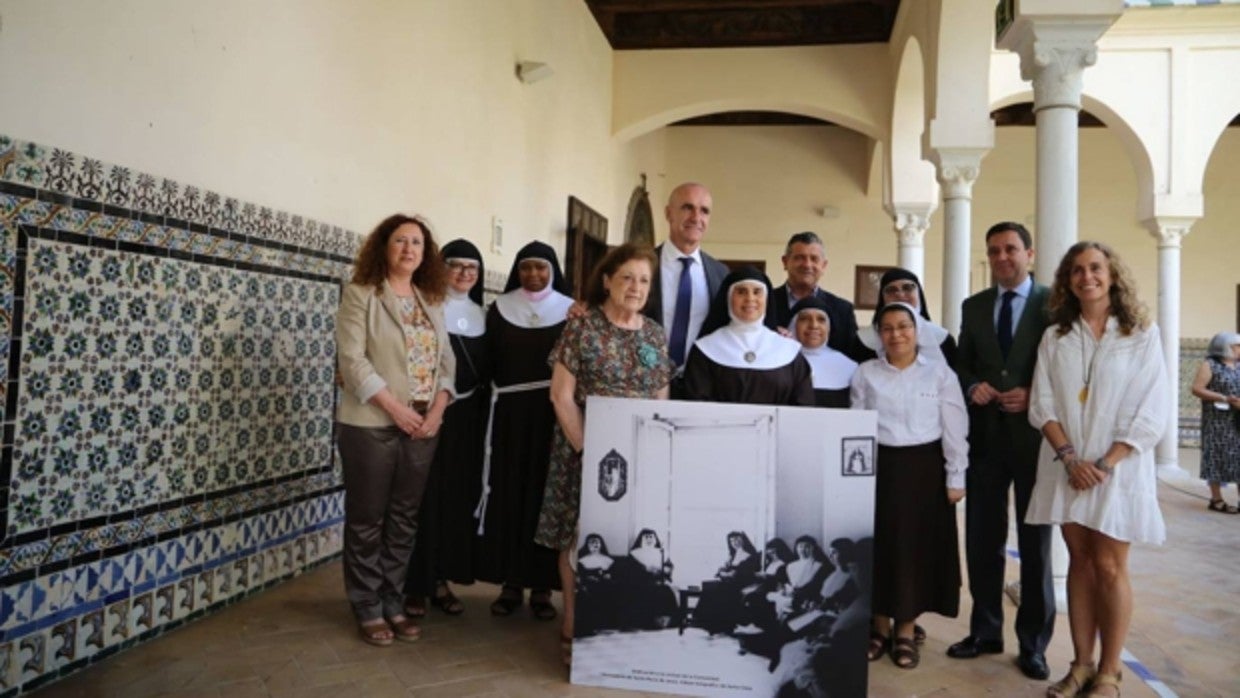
(660, 24)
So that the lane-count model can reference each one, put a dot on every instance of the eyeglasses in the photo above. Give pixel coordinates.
(908, 287)
(462, 268)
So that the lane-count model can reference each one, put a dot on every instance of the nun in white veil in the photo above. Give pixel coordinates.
(739, 357)
(903, 286)
(832, 370)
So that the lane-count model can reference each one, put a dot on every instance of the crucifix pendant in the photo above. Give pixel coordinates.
(1084, 395)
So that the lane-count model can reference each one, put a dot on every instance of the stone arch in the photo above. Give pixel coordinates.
(909, 177)
(1136, 149)
(663, 118)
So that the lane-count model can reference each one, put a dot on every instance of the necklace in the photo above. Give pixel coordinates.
(1088, 370)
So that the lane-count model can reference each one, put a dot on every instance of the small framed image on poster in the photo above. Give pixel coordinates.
(857, 456)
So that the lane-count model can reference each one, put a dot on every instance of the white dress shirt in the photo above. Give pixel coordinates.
(669, 276)
(916, 405)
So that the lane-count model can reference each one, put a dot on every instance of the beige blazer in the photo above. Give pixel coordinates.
(370, 352)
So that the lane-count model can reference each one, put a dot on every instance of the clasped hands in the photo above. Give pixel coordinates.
(1014, 400)
(1082, 475)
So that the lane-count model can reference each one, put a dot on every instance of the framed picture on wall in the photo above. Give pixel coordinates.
(865, 286)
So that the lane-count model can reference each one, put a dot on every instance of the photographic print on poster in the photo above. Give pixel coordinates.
(737, 561)
(857, 456)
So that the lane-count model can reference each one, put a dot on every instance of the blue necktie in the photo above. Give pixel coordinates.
(680, 320)
(1005, 323)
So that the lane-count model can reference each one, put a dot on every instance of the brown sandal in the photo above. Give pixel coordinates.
(878, 646)
(376, 632)
(1105, 682)
(404, 628)
(904, 653)
(1071, 685)
(1222, 507)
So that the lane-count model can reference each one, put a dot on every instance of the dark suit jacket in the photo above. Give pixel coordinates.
(843, 321)
(979, 358)
(715, 272)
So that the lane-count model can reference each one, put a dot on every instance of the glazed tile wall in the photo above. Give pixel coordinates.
(166, 398)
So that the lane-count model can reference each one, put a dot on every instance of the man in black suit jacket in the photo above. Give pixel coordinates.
(805, 259)
(996, 369)
(688, 216)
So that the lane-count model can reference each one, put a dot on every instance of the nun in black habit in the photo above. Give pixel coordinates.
(739, 357)
(902, 286)
(445, 548)
(832, 370)
(522, 326)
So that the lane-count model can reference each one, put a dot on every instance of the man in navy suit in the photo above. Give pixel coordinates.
(688, 216)
(1001, 328)
(805, 260)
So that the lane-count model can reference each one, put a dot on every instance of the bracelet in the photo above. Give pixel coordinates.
(1064, 451)
(1104, 466)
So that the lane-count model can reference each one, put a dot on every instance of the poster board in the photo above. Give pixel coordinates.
(674, 495)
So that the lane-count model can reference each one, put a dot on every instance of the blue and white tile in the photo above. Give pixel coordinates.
(32, 656)
(90, 633)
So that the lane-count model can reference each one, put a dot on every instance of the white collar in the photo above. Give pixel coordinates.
(522, 312)
(596, 561)
(1022, 289)
(831, 369)
(462, 316)
(671, 253)
(749, 346)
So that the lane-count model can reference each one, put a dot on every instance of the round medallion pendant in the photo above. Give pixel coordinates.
(462, 323)
(534, 319)
(749, 357)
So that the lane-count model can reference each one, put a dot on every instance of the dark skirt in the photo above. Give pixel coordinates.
(916, 552)
(447, 529)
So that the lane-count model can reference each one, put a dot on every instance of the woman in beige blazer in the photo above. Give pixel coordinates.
(397, 370)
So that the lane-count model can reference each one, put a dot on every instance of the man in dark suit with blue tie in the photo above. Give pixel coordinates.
(690, 276)
(1001, 328)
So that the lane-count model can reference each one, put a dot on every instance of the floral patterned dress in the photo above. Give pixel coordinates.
(609, 361)
(1220, 429)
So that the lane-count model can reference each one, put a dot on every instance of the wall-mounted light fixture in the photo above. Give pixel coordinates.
(530, 72)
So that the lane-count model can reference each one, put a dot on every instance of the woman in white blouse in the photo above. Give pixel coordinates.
(922, 457)
(1100, 398)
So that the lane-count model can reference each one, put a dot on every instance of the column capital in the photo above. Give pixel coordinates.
(957, 170)
(911, 224)
(1170, 231)
(1056, 46)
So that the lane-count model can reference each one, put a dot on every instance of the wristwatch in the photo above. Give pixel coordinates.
(1104, 466)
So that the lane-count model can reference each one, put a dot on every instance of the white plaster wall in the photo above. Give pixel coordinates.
(340, 111)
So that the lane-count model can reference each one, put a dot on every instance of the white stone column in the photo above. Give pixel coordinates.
(911, 232)
(957, 171)
(1170, 232)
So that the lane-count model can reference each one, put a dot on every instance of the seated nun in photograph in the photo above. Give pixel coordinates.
(740, 357)
(596, 598)
(720, 607)
(903, 286)
(646, 596)
(832, 370)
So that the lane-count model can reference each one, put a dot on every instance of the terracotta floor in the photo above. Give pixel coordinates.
(298, 639)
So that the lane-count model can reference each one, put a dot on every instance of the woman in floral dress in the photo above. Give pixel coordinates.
(611, 350)
(1217, 384)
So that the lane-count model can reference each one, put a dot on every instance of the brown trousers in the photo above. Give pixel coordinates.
(384, 478)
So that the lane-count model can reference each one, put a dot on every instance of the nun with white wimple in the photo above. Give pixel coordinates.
(833, 370)
(522, 327)
(739, 357)
(902, 286)
(444, 550)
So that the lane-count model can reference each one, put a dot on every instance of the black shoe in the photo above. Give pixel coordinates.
(971, 647)
(1033, 665)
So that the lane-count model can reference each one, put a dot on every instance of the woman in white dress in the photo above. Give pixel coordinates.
(1100, 398)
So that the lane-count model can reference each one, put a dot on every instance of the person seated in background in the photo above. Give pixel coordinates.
(720, 607)
(796, 595)
(644, 585)
(596, 592)
(832, 369)
(759, 612)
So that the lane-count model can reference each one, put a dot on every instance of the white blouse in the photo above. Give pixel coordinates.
(1127, 402)
(917, 405)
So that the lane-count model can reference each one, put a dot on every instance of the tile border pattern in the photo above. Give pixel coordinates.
(74, 593)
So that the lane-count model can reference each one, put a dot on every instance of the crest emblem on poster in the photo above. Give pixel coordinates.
(613, 476)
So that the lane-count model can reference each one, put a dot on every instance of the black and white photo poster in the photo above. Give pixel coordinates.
(724, 549)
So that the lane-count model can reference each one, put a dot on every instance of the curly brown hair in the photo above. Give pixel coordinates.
(1065, 308)
(370, 267)
(596, 294)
